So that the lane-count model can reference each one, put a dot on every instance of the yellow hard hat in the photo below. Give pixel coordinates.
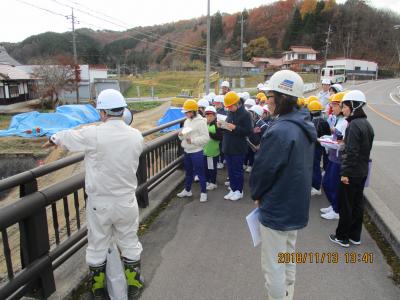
(260, 95)
(315, 105)
(190, 105)
(231, 98)
(312, 98)
(338, 97)
(263, 98)
(300, 101)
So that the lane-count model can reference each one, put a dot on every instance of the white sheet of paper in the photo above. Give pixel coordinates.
(254, 226)
(210, 163)
(186, 130)
(221, 117)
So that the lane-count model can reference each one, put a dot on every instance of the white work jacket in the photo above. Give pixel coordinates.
(112, 151)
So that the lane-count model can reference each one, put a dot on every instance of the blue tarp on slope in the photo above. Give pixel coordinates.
(33, 124)
(172, 114)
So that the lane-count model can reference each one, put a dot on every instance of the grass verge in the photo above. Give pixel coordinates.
(142, 106)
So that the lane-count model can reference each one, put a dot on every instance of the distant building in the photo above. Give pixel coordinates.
(355, 68)
(15, 85)
(231, 68)
(301, 59)
(264, 63)
(6, 59)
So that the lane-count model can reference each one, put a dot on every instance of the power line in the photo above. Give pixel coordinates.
(41, 8)
(139, 32)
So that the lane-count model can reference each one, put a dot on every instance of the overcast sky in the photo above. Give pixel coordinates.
(20, 20)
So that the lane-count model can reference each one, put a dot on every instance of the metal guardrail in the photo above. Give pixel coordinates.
(44, 228)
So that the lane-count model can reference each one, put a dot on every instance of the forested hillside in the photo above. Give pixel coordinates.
(357, 31)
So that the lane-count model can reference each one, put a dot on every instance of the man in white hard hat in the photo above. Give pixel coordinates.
(112, 151)
(323, 96)
(225, 87)
(280, 181)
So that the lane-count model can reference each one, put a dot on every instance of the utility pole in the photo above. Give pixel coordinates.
(327, 43)
(208, 49)
(73, 21)
(241, 47)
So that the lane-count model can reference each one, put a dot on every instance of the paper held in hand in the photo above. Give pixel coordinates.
(327, 142)
(254, 226)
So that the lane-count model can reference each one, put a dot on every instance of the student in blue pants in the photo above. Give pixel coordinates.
(237, 128)
(194, 137)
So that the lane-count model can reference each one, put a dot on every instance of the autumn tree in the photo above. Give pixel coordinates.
(308, 6)
(258, 48)
(53, 78)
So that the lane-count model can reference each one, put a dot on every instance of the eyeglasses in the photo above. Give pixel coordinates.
(269, 96)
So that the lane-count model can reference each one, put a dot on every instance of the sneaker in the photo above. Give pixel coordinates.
(211, 186)
(184, 193)
(196, 178)
(203, 197)
(227, 183)
(326, 209)
(229, 195)
(330, 216)
(315, 192)
(355, 242)
(248, 169)
(342, 243)
(220, 165)
(236, 196)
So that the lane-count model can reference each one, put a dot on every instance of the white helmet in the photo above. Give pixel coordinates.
(245, 95)
(127, 116)
(337, 87)
(286, 82)
(260, 85)
(110, 99)
(257, 109)
(210, 97)
(210, 109)
(355, 95)
(264, 87)
(326, 81)
(225, 84)
(250, 102)
(219, 99)
(203, 103)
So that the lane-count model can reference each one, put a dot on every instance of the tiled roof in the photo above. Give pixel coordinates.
(5, 58)
(8, 72)
(236, 64)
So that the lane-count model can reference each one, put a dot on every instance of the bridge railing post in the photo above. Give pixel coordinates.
(34, 244)
(143, 196)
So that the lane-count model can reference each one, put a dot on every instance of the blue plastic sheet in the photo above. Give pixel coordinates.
(34, 124)
(172, 114)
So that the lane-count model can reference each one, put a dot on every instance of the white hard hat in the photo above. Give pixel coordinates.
(264, 87)
(286, 82)
(337, 87)
(210, 109)
(109, 99)
(250, 102)
(326, 81)
(260, 85)
(355, 95)
(257, 109)
(245, 95)
(219, 99)
(127, 116)
(203, 103)
(225, 84)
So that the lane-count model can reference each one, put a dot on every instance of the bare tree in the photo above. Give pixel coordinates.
(53, 78)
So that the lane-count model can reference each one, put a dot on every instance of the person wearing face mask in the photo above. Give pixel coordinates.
(354, 170)
(112, 150)
(331, 180)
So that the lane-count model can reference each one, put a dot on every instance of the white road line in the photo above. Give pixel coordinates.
(394, 100)
(386, 144)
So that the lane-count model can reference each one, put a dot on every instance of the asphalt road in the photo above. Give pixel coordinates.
(203, 251)
(384, 114)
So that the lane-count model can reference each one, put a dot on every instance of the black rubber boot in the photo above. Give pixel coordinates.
(134, 280)
(98, 281)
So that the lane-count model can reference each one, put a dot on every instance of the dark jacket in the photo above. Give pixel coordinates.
(234, 142)
(221, 111)
(321, 125)
(357, 148)
(218, 132)
(282, 171)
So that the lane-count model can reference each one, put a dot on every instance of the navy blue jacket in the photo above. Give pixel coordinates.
(282, 172)
(234, 142)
